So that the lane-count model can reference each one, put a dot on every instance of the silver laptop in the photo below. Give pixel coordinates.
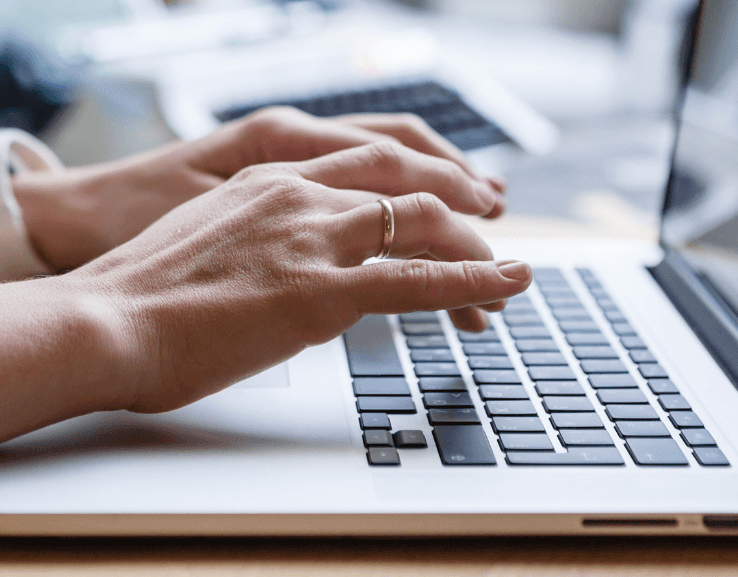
(601, 401)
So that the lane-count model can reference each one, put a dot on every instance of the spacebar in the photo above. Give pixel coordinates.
(574, 456)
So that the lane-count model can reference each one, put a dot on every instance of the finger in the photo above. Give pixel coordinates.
(410, 285)
(395, 169)
(471, 319)
(494, 307)
(423, 225)
(498, 183)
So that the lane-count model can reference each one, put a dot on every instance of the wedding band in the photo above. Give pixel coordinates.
(388, 228)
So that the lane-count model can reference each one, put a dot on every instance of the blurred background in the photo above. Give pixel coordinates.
(585, 88)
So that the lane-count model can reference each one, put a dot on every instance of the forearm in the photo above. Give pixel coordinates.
(60, 355)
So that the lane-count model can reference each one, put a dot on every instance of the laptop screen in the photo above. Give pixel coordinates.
(700, 219)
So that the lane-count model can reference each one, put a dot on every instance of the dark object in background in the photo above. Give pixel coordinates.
(34, 85)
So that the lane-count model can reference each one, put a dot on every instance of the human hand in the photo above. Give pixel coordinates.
(81, 213)
(269, 263)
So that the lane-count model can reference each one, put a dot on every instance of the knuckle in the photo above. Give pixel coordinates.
(422, 277)
(413, 122)
(474, 280)
(385, 155)
(431, 210)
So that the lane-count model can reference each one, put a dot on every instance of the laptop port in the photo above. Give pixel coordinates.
(721, 522)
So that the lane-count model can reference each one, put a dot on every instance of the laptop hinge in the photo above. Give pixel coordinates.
(704, 310)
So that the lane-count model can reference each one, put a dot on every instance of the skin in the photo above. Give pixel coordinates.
(220, 258)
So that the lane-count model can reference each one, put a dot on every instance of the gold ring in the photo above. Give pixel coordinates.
(388, 228)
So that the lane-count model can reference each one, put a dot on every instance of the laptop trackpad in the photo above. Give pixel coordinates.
(275, 378)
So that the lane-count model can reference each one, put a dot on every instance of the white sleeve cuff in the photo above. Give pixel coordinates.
(19, 151)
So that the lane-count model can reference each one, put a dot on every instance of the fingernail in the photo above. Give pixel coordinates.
(515, 270)
(485, 191)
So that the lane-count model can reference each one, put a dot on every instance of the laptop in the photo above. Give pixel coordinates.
(601, 401)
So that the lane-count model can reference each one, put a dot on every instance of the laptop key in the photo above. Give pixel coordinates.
(543, 359)
(510, 408)
(383, 456)
(597, 339)
(616, 381)
(498, 362)
(410, 439)
(431, 356)
(572, 314)
(674, 403)
(652, 371)
(432, 384)
(598, 366)
(485, 336)
(536, 345)
(551, 374)
(466, 445)
(578, 327)
(598, 352)
(428, 342)
(685, 420)
(502, 393)
(452, 416)
(575, 456)
(641, 356)
(697, 437)
(621, 397)
(631, 413)
(615, 317)
(417, 329)
(374, 421)
(419, 317)
(450, 399)
(642, 429)
(655, 451)
(437, 370)
(523, 320)
(623, 330)
(662, 387)
(496, 377)
(377, 438)
(632, 343)
(576, 421)
(710, 457)
(559, 303)
(471, 349)
(559, 388)
(381, 386)
(385, 405)
(370, 348)
(525, 442)
(585, 437)
(530, 333)
(517, 425)
(567, 405)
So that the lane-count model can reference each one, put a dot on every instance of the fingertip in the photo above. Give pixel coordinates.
(470, 319)
(494, 307)
(515, 270)
(499, 207)
(498, 183)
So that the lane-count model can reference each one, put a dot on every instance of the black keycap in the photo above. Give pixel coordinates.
(383, 456)
(618, 381)
(523, 321)
(595, 339)
(374, 421)
(502, 393)
(615, 317)
(550, 359)
(642, 429)
(488, 336)
(572, 314)
(463, 445)
(623, 330)
(662, 387)
(410, 439)
(431, 356)
(606, 304)
(370, 349)
(585, 438)
(655, 451)
(621, 397)
(551, 374)
(641, 356)
(557, 291)
(674, 403)
(599, 366)
(598, 352)
(576, 421)
(558, 303)
(518, 309)
(536, 345)
(595, 456)
(429, 342)
(437, 370)
(381, 386)
(567, 404)
(452, 416)
(419, 317)
(578, 327)
(711, 457)
(547, 273)
(697, 437)
(490, 377)
(490, 363)
(420, 329)
(377, 438)
(510, 409)
(652, 371)
(471, 349)
(431, 384)
(385, 405)
(450, 399)
(631, 413)
(632, 343)
(598, 292)
(517, 425)
(685, 420)
(525, 442)
(560, 388)
(530, 333)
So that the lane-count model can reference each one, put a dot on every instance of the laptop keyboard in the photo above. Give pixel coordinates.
(558, 418)
(442, 108)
